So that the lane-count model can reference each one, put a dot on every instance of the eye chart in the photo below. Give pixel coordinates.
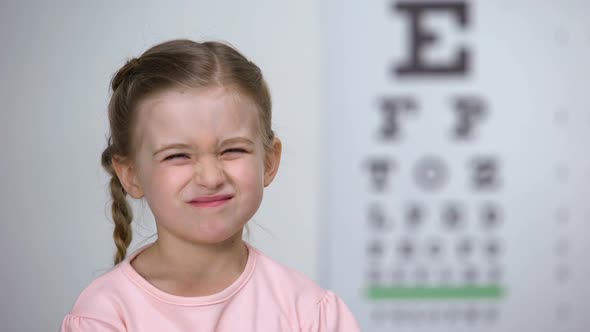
(456, 163)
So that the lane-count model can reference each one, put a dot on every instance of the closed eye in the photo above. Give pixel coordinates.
(178, 155)
(234, 150)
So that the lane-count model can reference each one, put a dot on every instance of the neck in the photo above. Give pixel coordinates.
(196, 268)
(197, 261)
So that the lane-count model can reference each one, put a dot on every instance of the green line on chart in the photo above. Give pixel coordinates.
(465, 292)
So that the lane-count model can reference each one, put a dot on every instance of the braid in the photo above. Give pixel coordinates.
(122, 217)
(120, 209)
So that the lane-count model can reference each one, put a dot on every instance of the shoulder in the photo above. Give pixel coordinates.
(101, 300)
(312, 306)
(288, 280)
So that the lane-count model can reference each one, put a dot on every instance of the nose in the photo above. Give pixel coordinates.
(209, 173)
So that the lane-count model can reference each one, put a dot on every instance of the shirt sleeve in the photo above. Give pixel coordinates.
(334, 316)
(73, 323)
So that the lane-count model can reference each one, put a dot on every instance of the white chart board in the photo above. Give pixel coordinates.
(457, 164)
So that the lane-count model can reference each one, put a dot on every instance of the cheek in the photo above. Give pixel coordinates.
(248, 173)
(162, 181)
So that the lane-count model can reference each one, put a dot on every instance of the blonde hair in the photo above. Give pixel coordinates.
(172, 64)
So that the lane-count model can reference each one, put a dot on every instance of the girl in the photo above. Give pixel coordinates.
(191, 133)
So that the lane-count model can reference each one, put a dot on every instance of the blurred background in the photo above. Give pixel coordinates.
(434, 172)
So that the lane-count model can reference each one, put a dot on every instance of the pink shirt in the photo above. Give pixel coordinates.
(266, 297)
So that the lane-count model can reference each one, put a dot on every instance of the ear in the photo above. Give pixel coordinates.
(126, 173)
(273, 159)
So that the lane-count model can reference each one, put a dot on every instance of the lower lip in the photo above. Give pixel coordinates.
(210, 203)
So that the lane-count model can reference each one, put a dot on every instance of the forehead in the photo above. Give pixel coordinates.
(204, 115)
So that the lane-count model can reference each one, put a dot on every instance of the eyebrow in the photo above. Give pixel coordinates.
(187, 146)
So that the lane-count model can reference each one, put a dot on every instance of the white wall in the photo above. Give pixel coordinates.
(56, 62)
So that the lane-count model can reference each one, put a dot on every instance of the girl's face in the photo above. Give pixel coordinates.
(200, 162)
